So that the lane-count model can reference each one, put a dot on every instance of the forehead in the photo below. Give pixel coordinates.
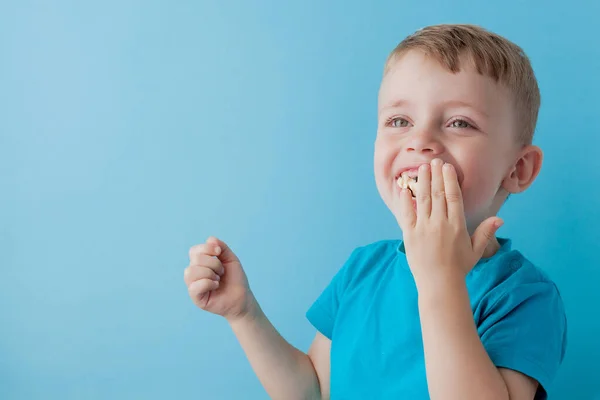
(422, 79)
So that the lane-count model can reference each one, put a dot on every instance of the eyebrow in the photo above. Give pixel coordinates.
(450, 103)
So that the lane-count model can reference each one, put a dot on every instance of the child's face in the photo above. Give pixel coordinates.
(466, 119)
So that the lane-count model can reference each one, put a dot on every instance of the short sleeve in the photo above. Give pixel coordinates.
(526, 330)
(323, 311)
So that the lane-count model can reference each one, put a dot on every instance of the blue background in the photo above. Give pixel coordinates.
(132, 130)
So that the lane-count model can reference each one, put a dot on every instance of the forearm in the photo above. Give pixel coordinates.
(457, 364)
(284, 371)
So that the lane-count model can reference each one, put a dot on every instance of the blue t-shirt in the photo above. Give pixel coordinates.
(370, 313)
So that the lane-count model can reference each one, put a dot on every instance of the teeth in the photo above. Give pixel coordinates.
(406, 182)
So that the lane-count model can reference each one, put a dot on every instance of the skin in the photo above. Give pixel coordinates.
(489, 162)
(469, 168)
(461, 129)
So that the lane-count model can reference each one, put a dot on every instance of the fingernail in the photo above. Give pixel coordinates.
(218, 278)
(424, 167)
(498, 223)
(221, 271)
(218, 250)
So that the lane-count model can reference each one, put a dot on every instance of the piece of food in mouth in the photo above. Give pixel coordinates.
(406, 182)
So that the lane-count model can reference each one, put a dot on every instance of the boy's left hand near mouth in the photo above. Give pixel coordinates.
(438, 246)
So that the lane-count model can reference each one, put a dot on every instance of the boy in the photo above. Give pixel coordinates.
(449, 312)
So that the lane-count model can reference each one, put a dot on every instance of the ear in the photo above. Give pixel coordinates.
(526, 169)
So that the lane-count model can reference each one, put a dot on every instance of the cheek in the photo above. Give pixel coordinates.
(383, 162)
(479, 187)
(383, 159)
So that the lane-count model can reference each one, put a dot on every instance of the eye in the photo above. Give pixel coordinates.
(460, 123)
(397, 122)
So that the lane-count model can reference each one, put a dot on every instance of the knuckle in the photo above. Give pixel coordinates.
(439, 193)
(192, 251)
(457, 230)
(423, 196)
(195, 250)
(211, 239)
(453, 197)
(188, 279)
(193, 290)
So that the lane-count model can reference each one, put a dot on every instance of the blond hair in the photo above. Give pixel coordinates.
(492, 55)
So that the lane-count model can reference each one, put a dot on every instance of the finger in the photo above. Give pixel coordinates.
(193, 273)
(201, 287)
(406, 213)
(438, 193)
(484, 233)
(209, 249)
(203, 260)
(454, 199)
(424, 191)
(226, 255)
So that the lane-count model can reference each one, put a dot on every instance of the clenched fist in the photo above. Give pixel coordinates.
(216, 281)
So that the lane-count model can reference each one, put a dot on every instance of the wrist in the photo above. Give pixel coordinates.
(441, 287)
(250, 312)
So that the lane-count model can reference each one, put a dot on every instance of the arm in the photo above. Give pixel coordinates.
(457, 364)
(218, 284)
(441, 251)
(284, 371)
(320, 355)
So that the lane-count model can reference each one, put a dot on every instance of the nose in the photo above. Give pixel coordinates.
(426, 142)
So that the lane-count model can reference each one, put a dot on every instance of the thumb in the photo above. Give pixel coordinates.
(226, 255)
(484, 233)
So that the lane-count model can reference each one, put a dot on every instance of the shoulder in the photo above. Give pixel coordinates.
(509, 280)
(388, 247)
(370, 258)
(514, 281)
(510, 269)
(379, 252)
(513, 269)
(521, 318)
